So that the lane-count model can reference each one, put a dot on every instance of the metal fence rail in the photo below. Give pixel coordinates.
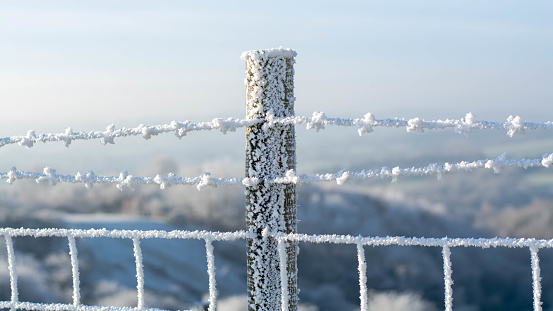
(447, 244)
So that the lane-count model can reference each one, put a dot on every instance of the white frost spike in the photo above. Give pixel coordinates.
(50, 176)
(66, 137)
(367, 126)
(547, 160)
(536, 278)
(27, 141)
(165, 183)
(343, 177)
(497, 164)
(89, 178)
(466, 124)
(108, 135)
(177, 127)
(396, 172)
(228, 125)
(205, 181)
(218, 123)
(147, 131)
(125, 180)
(251, 181)
(515, 126)
(12, 174)
(415, 125)
(291, 176)
(317, 121)
(448, 280)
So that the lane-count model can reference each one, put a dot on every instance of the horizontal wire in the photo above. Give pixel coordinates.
(61, 306)
(126, 234)
(318, 121)
(50, 176)
(414, 241)
(291, 237)
(497, 165)
(107, 137)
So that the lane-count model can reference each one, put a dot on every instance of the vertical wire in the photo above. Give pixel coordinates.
(536, 278)
(139, 272)
(448, 281)
(13, 270)
(75, 270)
(211, 273)
(363, 292)
(285, 296)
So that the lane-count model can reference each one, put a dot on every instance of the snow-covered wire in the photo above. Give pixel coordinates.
(414, 241)
(74, 270)
(363, 291)
(61, 306)
(317, 121)
(211, 274)
(139, 273)
(50, 176)
(448, 280)
(360, 241)
(89, 179)
(536, 278)
(12, 267)
(496, 165)
(107, 137)
(290, 237)
(283, 260)
(126, 234)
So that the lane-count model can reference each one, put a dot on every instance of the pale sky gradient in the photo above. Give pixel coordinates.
(65, 62)
(87, 64)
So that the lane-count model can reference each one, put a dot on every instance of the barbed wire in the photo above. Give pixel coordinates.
(497, 165)
(125, 180)
(180, 129)
(318, 121)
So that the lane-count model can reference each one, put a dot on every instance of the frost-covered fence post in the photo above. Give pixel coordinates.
(270, 153)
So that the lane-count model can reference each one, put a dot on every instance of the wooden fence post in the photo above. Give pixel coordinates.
(270, 153)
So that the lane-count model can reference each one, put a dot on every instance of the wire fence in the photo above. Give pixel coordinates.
(270, 124)
(208, 237)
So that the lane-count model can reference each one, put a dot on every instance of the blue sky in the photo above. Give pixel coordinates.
(87, 64)
(67, 63)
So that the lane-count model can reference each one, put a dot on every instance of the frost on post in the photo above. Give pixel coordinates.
(270, 153)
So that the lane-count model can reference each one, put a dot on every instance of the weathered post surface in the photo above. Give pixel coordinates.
(270, 153)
